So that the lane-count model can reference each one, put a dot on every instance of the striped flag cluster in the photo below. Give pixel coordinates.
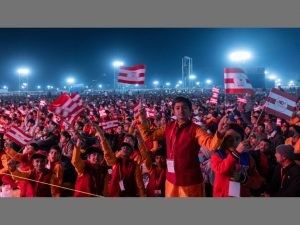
(136, 109)
(22, 111)
(109, 124)
(67, 106)
(132, 75)
(241, 100)
(102, 113)
(281, 104)
(215, 96)
(2, 130)
(236, 81)
(150, 112)
(18, 136)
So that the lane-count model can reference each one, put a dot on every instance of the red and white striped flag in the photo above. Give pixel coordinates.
(18, 136)
(215, 90)
(22, 110)
(213, 101)
(43, 103)
(215, 96)
(102, 113)
(7, 112)
(110, 124)
(236, 81)
(281, 104)
(242, 100)
(258, 108)
(132, 75)
(150, 112)
(278, 122)
(136, 109)
(2, 130)
(66, 105)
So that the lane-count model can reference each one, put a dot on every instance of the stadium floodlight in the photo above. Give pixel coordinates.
(100, 85)
(240, 56)
(168, 84)
(180, 82)
(23, 72)
(208, 81)
(192, 77)
(291, 83)
(272, 77)
(5, 87)
(156, 82)
(38, 87)
(197, 83)
(70, 80)
(117, 63)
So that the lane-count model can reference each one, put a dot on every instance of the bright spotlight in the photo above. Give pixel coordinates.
(240, 56)
(156, 82)
(208, 81)
(23, 71)
(117, 63)
(70, 80)
(272, 77)
(192, 77)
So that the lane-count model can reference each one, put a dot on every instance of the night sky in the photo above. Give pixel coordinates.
(87, 54)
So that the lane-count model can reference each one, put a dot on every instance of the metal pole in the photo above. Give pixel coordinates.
(19, 84)
(114, 79)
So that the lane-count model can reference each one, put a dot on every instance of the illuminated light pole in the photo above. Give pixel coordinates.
(23, 72)
(208, 82)
(155, 83)
(116, 64)
(168, 84)
(70, 81)
(192, 77)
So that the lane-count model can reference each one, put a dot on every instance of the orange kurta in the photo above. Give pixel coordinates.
(201, 138)
(296, 146)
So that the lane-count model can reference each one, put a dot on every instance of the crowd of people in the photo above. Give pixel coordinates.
(177, 144)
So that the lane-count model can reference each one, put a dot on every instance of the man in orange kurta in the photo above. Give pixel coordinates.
(183, 141)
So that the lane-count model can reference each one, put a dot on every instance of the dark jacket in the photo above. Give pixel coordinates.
(285, 182)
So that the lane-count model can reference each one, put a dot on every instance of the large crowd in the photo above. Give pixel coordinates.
(177, 144)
